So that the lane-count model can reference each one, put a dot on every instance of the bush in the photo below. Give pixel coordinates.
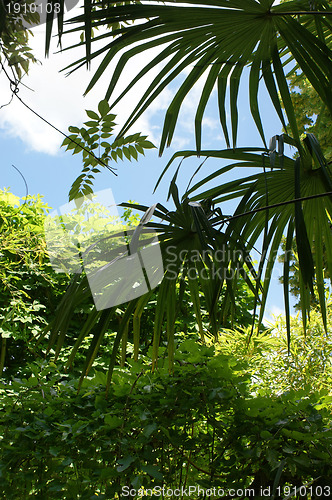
(200, 427)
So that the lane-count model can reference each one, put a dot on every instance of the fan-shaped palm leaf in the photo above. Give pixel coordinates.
(215, 40)
(308, 176)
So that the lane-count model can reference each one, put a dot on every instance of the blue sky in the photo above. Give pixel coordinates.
(34, 147)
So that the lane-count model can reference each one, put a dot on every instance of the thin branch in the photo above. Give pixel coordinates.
(14, 85)
(25, 182)
(111, 169)
(302, 13)
(275, 205)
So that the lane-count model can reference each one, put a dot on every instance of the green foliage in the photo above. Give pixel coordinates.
(262, 38)
(237, 414)
(30, 289)
(97, 150)
(294, 275)
(257, 35)
(229, 415)
(278, 181)
(213, 267)
(310, 111)
(14, 38)
(95, 6)
(206, 425)
(200, 254)
(129, 217)
(307, 365)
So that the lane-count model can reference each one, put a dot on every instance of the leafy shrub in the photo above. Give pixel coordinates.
(201, 426)
(29, 288)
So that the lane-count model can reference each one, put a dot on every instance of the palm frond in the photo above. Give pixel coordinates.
(216, 41)
(290, 179)
(195, 251)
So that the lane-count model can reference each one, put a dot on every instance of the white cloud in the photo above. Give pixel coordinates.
(276, 311)
(55, 97)
(271, 314)
(59, 99)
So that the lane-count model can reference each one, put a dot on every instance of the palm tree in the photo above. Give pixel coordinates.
(218, 40)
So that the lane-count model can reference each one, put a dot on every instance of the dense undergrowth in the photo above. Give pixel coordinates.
(217, 422)
(232, 420)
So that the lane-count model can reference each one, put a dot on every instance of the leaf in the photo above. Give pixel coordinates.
(75, 130)
(103, 108)
(93, 115)
(288, 250)
(125, 463)
(149, 429)
(92, 124)
(112, 421)
(147, 145)
(153, 471)
(260, 35)
(126, 152)
(133, 152)
(302, 241)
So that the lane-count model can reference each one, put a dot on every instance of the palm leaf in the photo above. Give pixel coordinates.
(215, 41)
(307, 176)
(189, 242)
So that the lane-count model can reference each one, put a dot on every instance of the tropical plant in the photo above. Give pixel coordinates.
(310, 111)
(222, 41)
(196, 255)
(94, 138)
(276, 189)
